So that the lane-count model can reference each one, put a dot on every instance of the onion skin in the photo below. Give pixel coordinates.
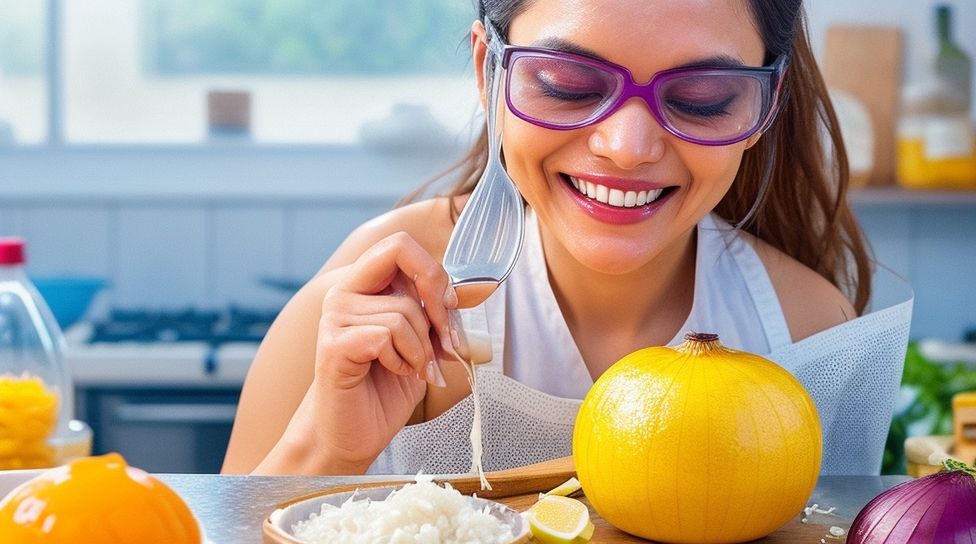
(937, 509)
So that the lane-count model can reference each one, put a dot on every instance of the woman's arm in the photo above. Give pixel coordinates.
(363, 304)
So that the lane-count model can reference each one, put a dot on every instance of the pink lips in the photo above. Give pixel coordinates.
(616, 214)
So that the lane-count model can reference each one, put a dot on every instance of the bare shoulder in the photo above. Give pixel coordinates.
(810, 302)
(429, 222)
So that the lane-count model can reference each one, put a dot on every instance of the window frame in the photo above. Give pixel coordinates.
(242, 171)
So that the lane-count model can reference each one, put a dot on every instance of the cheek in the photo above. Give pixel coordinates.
(714, 168)
(526, 148)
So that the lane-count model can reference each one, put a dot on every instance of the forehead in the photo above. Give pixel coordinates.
(645, 35)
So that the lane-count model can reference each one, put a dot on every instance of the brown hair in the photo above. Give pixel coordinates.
(797, 184)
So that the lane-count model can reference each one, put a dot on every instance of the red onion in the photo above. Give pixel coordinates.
(939, 508)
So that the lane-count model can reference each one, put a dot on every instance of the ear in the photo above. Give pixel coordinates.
(753, 140)
(479, 53)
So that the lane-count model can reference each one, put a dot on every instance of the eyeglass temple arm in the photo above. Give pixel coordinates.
(493, 76)
(780, 92)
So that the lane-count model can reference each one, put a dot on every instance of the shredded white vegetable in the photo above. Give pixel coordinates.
(476, 463)
(418, 513)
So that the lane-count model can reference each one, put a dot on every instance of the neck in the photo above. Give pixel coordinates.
(643, 307)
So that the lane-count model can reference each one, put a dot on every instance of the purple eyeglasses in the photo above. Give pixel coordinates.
(706, 105)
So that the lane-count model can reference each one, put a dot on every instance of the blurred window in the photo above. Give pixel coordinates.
(304, 37)
(185, 71)
(23, 82)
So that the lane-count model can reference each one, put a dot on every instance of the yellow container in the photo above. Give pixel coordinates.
(916, 171)
(935, 138)
(964, 426)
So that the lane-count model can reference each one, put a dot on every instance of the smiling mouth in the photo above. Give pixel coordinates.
(616, 197)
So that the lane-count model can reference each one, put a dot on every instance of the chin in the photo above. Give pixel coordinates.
(614, 258)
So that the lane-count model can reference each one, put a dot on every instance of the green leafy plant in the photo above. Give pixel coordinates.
(928, 388)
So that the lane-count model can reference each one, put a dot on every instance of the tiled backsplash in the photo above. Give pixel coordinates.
(173, 255)
(933, 246)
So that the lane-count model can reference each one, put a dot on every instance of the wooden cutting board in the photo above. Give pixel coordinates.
(519, 489)
(866, 62)
(792, 533)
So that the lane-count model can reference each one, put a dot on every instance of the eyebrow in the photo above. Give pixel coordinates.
(559, 44)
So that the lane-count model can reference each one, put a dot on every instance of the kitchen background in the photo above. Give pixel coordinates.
(204, 158)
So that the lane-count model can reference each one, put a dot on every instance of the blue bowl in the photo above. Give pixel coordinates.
(68, 296)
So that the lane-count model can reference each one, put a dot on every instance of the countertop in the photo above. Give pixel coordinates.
(232, 508)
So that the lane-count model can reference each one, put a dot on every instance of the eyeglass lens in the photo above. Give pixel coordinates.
(706, 105)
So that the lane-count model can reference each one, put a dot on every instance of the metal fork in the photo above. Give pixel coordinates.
(487, 239)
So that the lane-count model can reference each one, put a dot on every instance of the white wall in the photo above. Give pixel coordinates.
(915, 17)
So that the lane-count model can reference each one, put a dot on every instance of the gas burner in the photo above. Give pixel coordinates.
(215, 327)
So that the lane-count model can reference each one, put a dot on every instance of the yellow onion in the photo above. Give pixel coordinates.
(698, 443)
(939, 508)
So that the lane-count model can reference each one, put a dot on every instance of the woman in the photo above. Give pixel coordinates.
(629, 243)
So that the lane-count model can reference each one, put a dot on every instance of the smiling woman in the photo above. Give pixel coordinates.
(671, 160)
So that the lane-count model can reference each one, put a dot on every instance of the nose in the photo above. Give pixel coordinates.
(630, 137)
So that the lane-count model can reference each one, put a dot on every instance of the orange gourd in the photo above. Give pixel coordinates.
(96, 500)
(697, 443)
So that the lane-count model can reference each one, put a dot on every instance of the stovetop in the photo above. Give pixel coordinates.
(215, 327)
(190, 346)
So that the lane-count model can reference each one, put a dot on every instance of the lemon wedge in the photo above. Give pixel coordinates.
(566, 488)
(560, 520)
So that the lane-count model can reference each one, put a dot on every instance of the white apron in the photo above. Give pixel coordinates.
(531, 390)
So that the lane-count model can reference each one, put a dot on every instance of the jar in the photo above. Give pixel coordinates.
(936, 141)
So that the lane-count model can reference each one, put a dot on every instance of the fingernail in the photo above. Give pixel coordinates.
(455, 339)
(455, 324)
(447, 347)
(434, 375)
(450, 297)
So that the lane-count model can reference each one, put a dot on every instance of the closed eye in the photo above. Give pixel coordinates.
(569, 95)
(570, 83)
(699, 109)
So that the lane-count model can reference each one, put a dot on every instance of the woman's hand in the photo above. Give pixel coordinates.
(384, 322)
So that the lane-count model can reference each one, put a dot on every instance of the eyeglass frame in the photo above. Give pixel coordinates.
(647, 92)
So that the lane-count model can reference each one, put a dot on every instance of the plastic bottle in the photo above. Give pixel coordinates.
(37, 428)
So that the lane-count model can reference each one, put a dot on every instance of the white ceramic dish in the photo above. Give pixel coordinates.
(277, 528)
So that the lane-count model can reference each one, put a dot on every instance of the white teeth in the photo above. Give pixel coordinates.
(615, 197)
(602, 193)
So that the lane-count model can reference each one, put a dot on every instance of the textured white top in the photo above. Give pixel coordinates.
(531, 390)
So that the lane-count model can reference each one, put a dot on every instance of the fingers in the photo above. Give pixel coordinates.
(400, 256)
(367, 344)
(399, 313)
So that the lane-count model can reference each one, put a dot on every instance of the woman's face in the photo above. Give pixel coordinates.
(628, 151)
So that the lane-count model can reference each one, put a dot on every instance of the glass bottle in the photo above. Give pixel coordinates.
(936, 139)
(36, 390)
(952, 64)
